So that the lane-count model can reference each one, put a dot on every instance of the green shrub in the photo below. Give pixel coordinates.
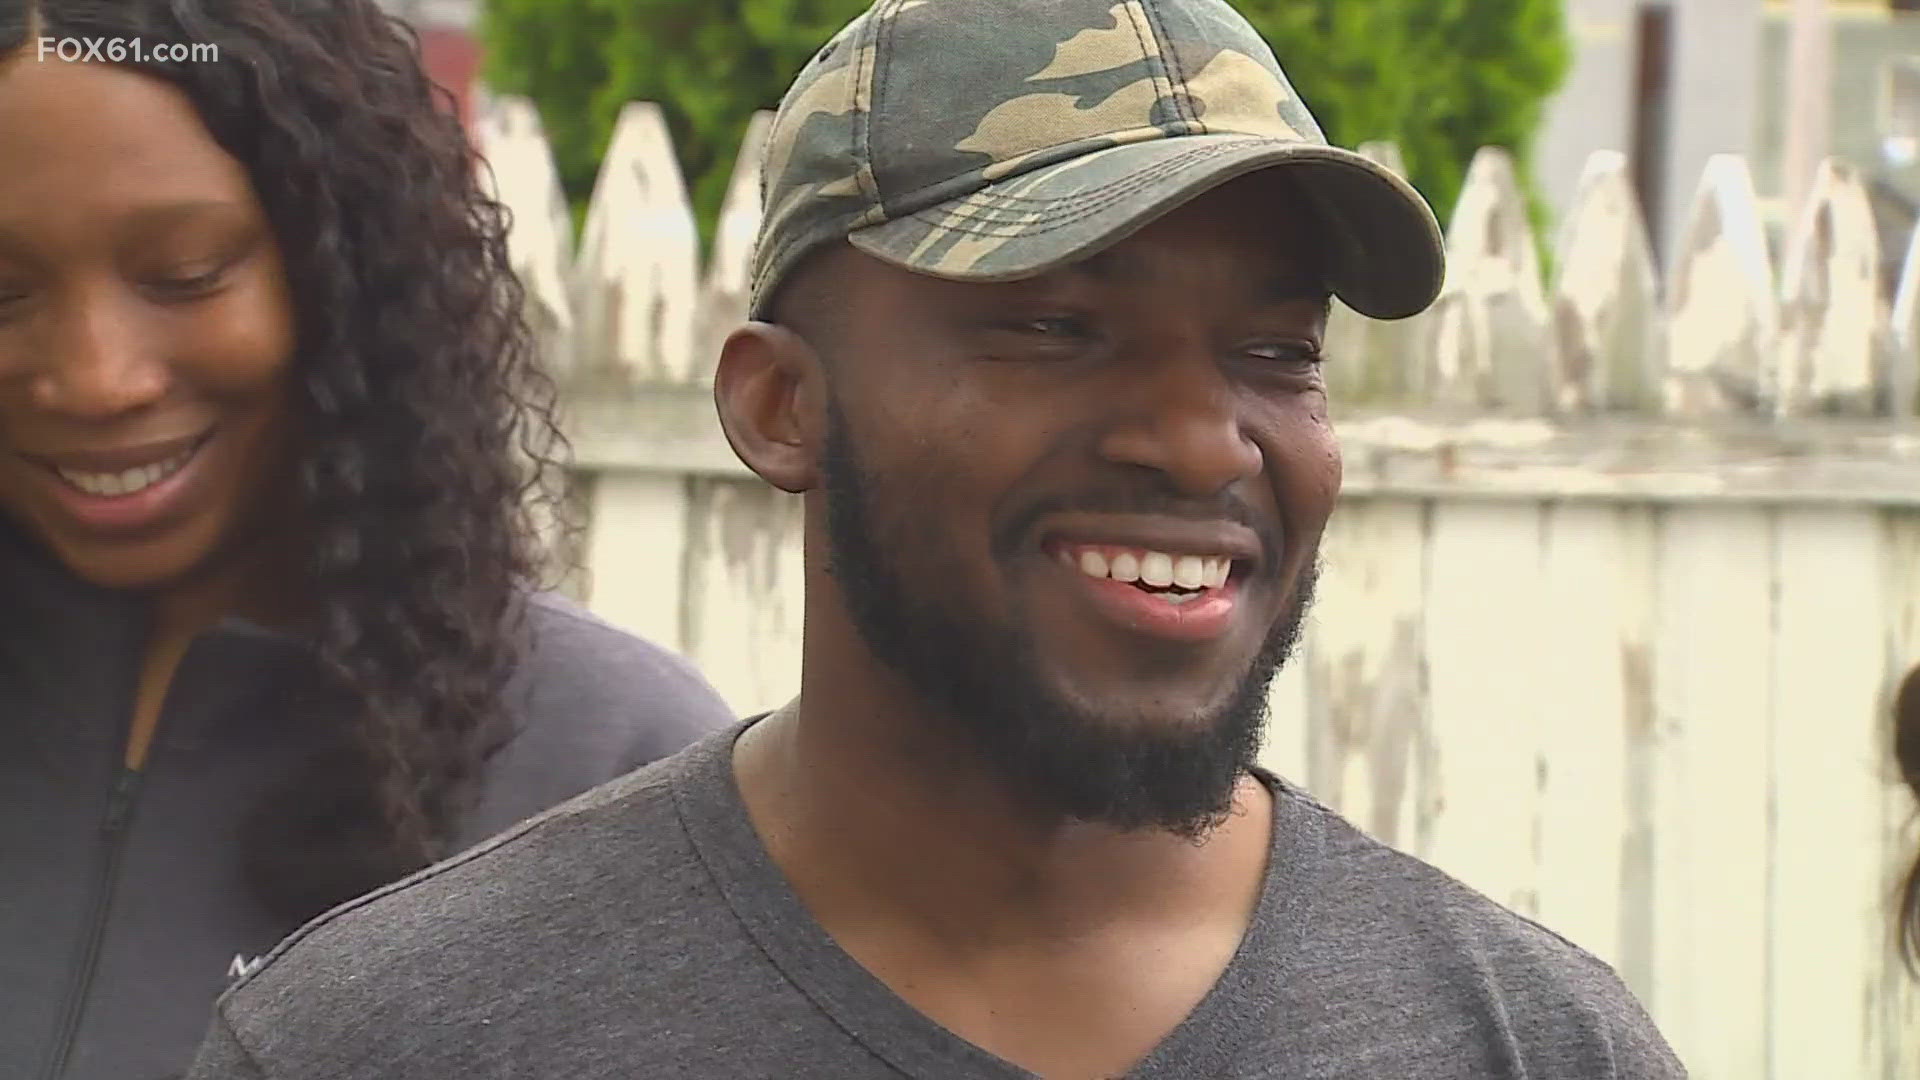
(1439, 77)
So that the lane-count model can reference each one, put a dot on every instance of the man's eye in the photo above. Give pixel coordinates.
(1287, 352)
(1053, 326)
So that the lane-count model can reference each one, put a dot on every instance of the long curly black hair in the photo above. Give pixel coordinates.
(427, 431)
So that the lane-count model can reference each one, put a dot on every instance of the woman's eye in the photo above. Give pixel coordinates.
(187, 286)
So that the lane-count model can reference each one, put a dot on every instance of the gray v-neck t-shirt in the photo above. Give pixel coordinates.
(643, 931)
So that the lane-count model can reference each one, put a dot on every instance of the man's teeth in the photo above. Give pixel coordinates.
(115, 485)
(1158, 568)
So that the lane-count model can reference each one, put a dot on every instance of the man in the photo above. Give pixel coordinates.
(1040, 294)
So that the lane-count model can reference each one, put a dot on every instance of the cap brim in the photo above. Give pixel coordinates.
(1388, 259)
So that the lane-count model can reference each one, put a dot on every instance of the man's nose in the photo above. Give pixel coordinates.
(1182, 418)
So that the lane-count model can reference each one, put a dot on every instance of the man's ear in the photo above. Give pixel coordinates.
(769, 388)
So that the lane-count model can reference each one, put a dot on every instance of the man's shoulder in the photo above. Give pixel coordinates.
(1389, 927)
(1364, 881)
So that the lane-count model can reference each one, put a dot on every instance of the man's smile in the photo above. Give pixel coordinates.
(1168, 578)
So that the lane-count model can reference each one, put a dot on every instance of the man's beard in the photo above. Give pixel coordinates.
(1128, 773)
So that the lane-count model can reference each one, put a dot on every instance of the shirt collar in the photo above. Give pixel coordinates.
(73, 649)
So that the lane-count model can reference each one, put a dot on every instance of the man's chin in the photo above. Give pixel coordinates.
(1143, 710)
(1129, 770)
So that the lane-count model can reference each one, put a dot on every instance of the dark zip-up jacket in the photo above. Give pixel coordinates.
(124, 905)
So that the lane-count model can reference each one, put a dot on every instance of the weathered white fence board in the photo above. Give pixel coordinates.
(1723, 320)
(1733, 461)
(1606, 314)
(639, 256)
(1491, 319)
(1638, 569)
(1612, 607)
(1834, 337)
(1829, 667)
(745, 589)
(513, 143)
(1483, 589)
(1598, 562)
(1370, 742)
(1713, 649)
(636, 551)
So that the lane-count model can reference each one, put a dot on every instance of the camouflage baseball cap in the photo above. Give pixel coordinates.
(992, 140)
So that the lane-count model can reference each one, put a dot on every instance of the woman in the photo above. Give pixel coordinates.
(268, 637)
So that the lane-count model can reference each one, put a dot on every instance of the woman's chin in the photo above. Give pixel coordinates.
(151, 565)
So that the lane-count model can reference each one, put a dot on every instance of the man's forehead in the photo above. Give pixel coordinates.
(1279, 271)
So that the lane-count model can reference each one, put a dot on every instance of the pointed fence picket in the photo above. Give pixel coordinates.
(1723, 316)
(1606, 314)
(1835, 338)
(521, 174)
(1491, 318)
(1624, 573)
(635, 282)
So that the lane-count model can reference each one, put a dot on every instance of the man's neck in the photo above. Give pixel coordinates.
(877, 822)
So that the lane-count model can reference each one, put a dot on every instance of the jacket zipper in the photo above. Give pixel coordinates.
(113, 834)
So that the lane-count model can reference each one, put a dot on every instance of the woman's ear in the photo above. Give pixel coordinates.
(769, 390)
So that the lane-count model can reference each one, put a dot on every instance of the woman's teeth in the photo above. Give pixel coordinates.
(130, 482)
(1155, 569)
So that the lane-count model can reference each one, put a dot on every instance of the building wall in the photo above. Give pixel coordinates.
(452, 59)
(1716, 67)
(1714, 108)
(1594, 108)
(449, 47)
(1865, 40)
(1729, 96)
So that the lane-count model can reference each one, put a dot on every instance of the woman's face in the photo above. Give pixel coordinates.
(145, 327)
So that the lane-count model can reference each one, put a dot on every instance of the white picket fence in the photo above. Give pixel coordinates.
(1622, 581)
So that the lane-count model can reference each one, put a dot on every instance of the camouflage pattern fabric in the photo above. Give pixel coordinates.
(989, 140)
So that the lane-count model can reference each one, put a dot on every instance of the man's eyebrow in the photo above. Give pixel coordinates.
(1291, 286)
(1109, 267)
(1117, 265)
(1294, 283)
